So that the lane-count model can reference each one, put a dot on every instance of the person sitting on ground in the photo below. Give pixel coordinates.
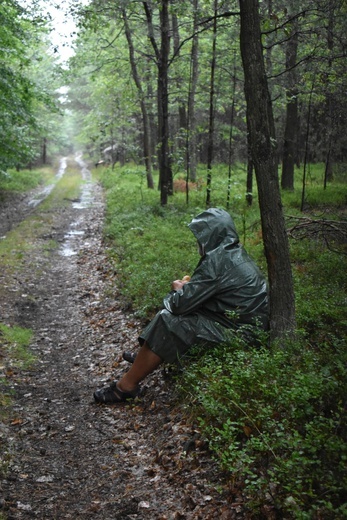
(227, 291)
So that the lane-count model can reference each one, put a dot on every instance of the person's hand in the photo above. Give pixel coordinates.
(178, 284)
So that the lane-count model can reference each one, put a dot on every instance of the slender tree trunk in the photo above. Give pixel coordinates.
(211, 112)
(162, 57)
(231, 135)
(166, 187)
(182, 112)
(44, 150)
(192, 141)
(152, 114)
(307, 140)
(249, 183)
(270, 39)
(145, 118)
(291, 127)
(328, 174)
(263, 148)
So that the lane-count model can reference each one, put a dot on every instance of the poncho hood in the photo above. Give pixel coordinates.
(212, 228)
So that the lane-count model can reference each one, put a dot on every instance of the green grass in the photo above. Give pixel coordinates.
(14, 355)
(24, 180)
(331, 199)
(66, 189)
(275, 419)
(14, 343)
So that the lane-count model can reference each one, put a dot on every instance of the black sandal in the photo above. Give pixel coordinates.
(112, 394)
(129, 357)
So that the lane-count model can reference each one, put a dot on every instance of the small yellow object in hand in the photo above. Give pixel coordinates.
(186, 278)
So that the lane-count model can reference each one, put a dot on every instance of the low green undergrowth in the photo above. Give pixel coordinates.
(320, 290)
(150, 252)
(24, 180)
(14, 342)
(274, 418)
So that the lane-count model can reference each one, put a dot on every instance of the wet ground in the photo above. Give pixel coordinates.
(65, 456)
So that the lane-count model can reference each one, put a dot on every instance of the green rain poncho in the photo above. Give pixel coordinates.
(227, 290)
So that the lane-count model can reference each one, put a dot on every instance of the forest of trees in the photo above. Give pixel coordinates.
(171, 85)
(211, 91)
(30, 78)
(163, 83)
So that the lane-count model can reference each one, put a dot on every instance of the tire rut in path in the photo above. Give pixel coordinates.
(70, 458)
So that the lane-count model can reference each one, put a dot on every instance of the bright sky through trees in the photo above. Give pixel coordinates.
(62, 23)
(63, 27)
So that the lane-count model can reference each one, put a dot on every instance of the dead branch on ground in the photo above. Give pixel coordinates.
(332, 232)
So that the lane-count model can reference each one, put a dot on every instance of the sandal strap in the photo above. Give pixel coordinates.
(124, 395)
(112, 394)
(129, 356)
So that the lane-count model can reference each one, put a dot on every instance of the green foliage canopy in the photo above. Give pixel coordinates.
(27, 84)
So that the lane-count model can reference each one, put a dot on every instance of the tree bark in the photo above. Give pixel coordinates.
(166, 183)
(192, 141)
(211, 111)
(263, 148)
(291, 127)
(328, 174)
(44, 150)
(162, 57)
(249, 182)
(182, 112)
(231, 154)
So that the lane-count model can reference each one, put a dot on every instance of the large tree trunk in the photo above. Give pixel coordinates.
(291, 127)
(145, 118)
(262, 142)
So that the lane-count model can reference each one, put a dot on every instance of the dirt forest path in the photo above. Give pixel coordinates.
(68, 457)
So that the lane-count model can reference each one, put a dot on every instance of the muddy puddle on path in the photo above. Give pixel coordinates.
(72, 238)
(43, 194)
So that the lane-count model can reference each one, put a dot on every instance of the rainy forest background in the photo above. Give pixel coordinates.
(181, 105)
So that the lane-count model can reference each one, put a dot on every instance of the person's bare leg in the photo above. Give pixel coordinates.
(145, 363)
